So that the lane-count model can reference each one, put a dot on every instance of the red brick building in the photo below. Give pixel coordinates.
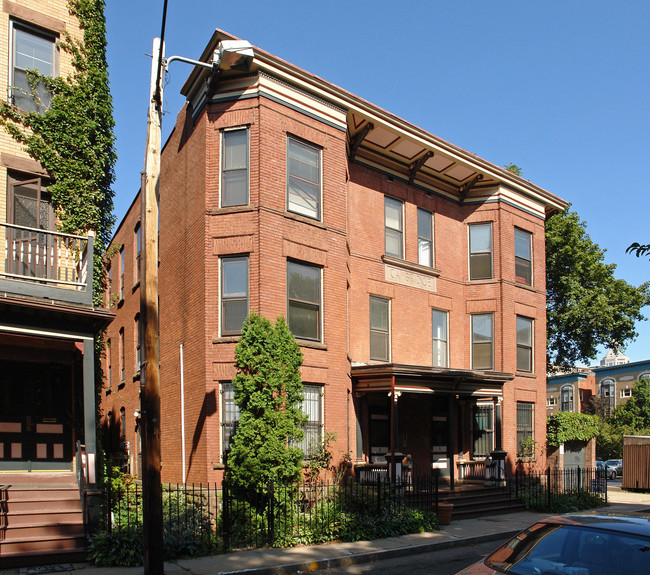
(410, 271)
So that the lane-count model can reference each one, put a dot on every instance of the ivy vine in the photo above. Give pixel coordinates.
(565, 426)
(73, 138)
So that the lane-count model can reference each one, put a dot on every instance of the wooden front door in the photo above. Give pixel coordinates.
(36, 416)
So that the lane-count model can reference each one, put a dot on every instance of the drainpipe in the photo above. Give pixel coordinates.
(182, 415)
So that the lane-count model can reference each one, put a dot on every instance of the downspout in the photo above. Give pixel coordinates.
(182, 414)
(393, 426)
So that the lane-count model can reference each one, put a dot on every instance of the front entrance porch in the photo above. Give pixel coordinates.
(439, 421)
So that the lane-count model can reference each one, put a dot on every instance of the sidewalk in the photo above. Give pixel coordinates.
(309, 558)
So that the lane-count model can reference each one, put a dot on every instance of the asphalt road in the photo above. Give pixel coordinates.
(442, 562)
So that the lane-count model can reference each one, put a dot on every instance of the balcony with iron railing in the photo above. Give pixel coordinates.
(46, 264)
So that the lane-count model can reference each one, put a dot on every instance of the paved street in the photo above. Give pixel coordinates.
(442, 562)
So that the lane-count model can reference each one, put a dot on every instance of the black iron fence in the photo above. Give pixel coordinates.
(213, 519)
(220, 518)
(539, 489)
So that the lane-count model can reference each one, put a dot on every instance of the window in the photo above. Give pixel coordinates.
(138, 342)
(31, 50)
(524, 344)
(121, 350)
(30, 203)
(439, 321)
(482, 341)
(608, 390)
(304, 300)
(138, 252)
(229, 415)
(109, 364)
(523, 257)
(627, 392)
(234, 168)
(393, 244)
(551, 401)
(483, 430)
(644, 376)
(303, 179)
(122, 273)
(311, 406)
(379, 329)
(122, 423)
(425, 238)
(480, 251)
(525, 429)
(566, 398)
(234, 294)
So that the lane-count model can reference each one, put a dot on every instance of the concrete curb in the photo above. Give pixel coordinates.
(380, 555)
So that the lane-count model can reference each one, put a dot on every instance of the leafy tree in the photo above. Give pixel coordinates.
(635, 412)
(513, 169)
(268, 392)
(73, 138)
(587, 306)
(566, 426)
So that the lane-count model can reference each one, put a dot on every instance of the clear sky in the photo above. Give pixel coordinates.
(562, 89)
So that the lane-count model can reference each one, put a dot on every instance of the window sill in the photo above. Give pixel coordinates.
(136, 285)
(226, 339)
(311, 344)
(121, 384)
(232, 210)
(528, 374)
(136, 376)
(108, 390)
(401, 263)
(217, 465)
(304, 219)
(120, 303)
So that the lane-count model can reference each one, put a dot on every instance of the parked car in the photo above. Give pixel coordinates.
(604, 469)
(591, 542)
(617, 464)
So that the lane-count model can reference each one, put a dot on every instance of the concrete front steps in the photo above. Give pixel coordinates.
(41, 520)
(475, 500)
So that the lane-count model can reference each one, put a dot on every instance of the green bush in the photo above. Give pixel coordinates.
(121, 547)
(566, 502)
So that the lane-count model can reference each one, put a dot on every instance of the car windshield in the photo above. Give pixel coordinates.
(548, 549)
(612, 462)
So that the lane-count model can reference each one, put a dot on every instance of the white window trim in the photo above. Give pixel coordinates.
(469, 251)
(532, 255)
(446, 312)
(390, 309)
(36, 31)
(433, 252)
(319, 149)
(471, 342)
(403, 247)
(321, 315)
(248, 163)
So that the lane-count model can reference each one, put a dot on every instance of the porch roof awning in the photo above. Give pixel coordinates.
(427, 379)
(37, 314)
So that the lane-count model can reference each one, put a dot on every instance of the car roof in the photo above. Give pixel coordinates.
(633, 523)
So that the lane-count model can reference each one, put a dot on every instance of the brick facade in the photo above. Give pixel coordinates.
(345, 242)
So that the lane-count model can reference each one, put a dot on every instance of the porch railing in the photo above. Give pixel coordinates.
(46, 259)
(471, 470)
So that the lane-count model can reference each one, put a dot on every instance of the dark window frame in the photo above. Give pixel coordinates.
(524, 262)
(225, 197)
(482, 344)
(525, 427)
(230, 299)
(478, 255)
(525, 348)
(425, 237)
(296, 303)
(379, 333)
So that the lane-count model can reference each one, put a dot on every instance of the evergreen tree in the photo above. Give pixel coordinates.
(268, 392)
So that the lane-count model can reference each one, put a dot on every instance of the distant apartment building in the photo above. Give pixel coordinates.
(411, 273)
(570, 392)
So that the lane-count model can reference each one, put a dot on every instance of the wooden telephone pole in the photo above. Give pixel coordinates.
(150, 371)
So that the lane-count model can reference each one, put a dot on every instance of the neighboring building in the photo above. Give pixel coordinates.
(616, 382)
(611, 358)
(570, 392)
(411, 272)
(47, 318)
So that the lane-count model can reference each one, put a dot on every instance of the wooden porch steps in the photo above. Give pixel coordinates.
(475, 500)
(41, 520)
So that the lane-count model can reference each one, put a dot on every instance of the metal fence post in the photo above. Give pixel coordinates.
(548, 486)
(271, 514)
(225, 514)
(378, 494)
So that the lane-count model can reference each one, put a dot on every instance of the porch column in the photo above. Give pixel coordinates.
(90, 428)
(450, 444)
(497, 424)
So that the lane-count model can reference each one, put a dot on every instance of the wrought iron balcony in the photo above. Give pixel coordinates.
(46, 264)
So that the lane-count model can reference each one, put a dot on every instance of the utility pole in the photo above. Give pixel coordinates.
(150, 386)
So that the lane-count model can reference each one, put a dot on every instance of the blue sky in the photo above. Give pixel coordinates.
(562, 89)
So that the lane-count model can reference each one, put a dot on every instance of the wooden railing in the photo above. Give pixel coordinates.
(46, 259)
(469, 470)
